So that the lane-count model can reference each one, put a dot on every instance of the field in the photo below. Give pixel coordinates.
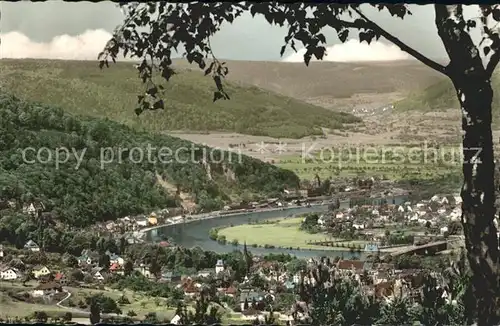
(391, 161)
(80, 87)
(284, 233)
(139, 303)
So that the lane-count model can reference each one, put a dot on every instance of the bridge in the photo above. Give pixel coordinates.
(427, 249)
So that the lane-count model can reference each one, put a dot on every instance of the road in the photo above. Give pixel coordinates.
(81, 311)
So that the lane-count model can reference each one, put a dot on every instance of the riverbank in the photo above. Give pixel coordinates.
(196, 234)
(226, 214)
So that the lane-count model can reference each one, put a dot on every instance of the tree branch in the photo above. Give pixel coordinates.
(492, 64)
(403, 46)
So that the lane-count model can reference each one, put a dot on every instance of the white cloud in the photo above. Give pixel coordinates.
(353, 50)
(85, 46)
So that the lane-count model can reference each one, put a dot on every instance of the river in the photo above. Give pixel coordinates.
(195, 233)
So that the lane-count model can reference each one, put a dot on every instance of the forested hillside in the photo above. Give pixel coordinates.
(80, 87)
(81, 195)
(442, 96)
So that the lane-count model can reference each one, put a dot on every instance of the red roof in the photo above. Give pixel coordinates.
(164, 244)
(230, 290)
(350, 264)
(114, 267)
(58, 276)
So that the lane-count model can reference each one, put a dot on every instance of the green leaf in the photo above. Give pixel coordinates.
(282, 51)
(217, 96)
(321, 38)
(209, 69)
(253, 11)
(343, 35)
(152, 91)
(159, 105)
(127, 34)
(218, 82)
(167, 72)
(307, 57)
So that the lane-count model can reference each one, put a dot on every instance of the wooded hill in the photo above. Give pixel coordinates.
(98, 192)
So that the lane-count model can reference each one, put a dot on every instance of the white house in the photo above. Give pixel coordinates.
(32, 246)
(9, 273)
(30, 209)
(142, 222)
(358, 226)
(97, 273)
(205, 272)
(144, 270)
(219, 267)
(46, 289)
(1, 251)
(175, 320)
(443, 230)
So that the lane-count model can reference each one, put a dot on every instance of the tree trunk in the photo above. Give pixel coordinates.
(478, 192)
(473, 86)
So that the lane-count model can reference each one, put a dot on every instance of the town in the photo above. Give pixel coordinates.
(244, 163)
(397, 244)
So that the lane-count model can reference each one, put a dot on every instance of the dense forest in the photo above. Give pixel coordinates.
(79, 193)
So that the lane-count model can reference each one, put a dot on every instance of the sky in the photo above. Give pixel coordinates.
(62, 30)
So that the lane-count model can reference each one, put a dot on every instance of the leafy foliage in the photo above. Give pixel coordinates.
(93, 191)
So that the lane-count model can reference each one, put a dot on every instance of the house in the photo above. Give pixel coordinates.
(32, 246)
(350, 265)
(116, 269)
(44, 289)
(166, 276)
(61, 278)
(40, 270)
(164, 244)
(175, 320)
(98, 273)
(219, 266)
(153, 219)
(289, 285)
(84, 260)
(142, 222)
(248, 297)
(205, 272)
(1, 251)
(144, 270)
(115, 259)
(9, 273)
(371, 247)
(190, 287)
(230, 291)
